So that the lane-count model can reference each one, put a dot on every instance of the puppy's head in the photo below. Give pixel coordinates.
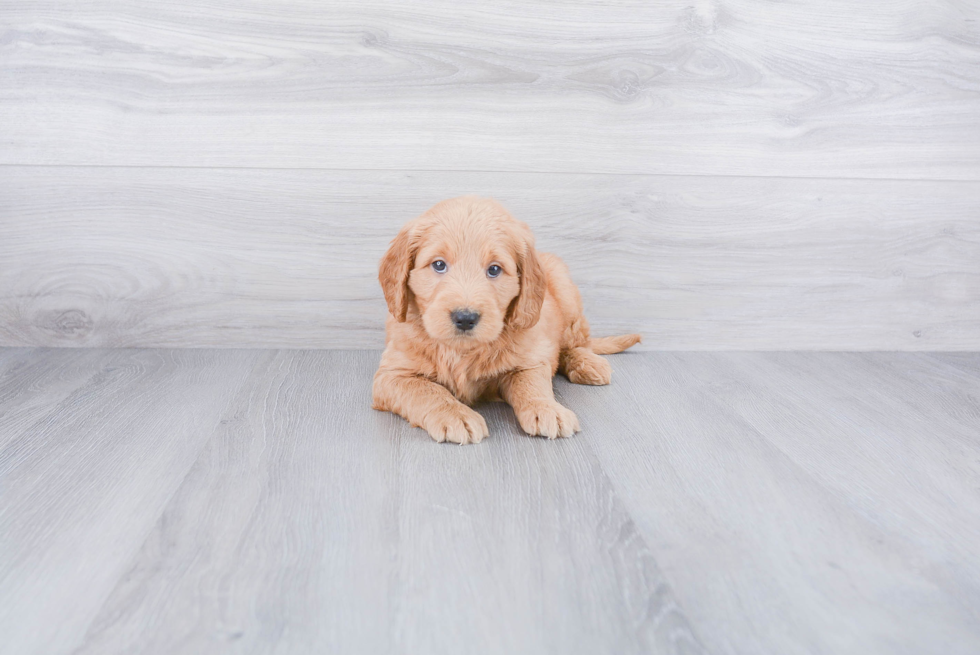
(467, 269)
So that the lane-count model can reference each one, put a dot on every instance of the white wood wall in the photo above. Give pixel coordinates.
(718, 175)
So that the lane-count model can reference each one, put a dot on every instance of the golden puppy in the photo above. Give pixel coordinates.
(476, 313)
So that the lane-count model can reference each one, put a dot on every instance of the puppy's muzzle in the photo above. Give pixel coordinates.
(464, 319)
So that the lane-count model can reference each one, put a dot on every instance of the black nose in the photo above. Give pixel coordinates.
(465, 319)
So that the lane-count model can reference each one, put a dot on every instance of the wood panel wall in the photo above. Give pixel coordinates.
(718, 175)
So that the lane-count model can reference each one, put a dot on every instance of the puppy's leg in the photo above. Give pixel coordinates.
(530, 393)
(429, 406)
(582, 366)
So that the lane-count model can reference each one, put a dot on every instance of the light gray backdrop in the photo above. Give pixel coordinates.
(718, 175)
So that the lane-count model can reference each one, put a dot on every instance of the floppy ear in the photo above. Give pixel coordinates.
(393, 273)
(526, 308)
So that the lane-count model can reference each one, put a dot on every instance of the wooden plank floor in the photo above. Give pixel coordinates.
(213, 501)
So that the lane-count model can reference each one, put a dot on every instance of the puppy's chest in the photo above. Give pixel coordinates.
(469, 377)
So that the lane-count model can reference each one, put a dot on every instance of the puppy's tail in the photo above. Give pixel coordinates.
(610, 345)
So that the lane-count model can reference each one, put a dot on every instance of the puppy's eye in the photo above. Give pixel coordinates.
(439, 266)
(494, 271)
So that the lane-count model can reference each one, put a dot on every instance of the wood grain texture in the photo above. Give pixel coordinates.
(81, 487)
(215, 502)
(729, 87)
(802, 503)
(311, 523)
(969, 362)
(33, 380)
(273, 258)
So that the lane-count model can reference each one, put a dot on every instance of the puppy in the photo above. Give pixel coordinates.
(477, 314)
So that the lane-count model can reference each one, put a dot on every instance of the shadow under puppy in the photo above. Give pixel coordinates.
(477, 314)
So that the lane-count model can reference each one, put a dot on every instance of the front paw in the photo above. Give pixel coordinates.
(457, 424)
(548, 419)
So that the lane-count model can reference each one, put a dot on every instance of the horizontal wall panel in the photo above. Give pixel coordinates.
(288, 258)
(823, 89)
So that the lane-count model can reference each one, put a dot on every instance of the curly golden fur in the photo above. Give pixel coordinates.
(529, 325)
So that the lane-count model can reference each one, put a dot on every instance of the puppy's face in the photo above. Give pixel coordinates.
(467, 268)
(463, 281)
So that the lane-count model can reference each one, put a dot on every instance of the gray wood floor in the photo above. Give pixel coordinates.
(247, 501)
